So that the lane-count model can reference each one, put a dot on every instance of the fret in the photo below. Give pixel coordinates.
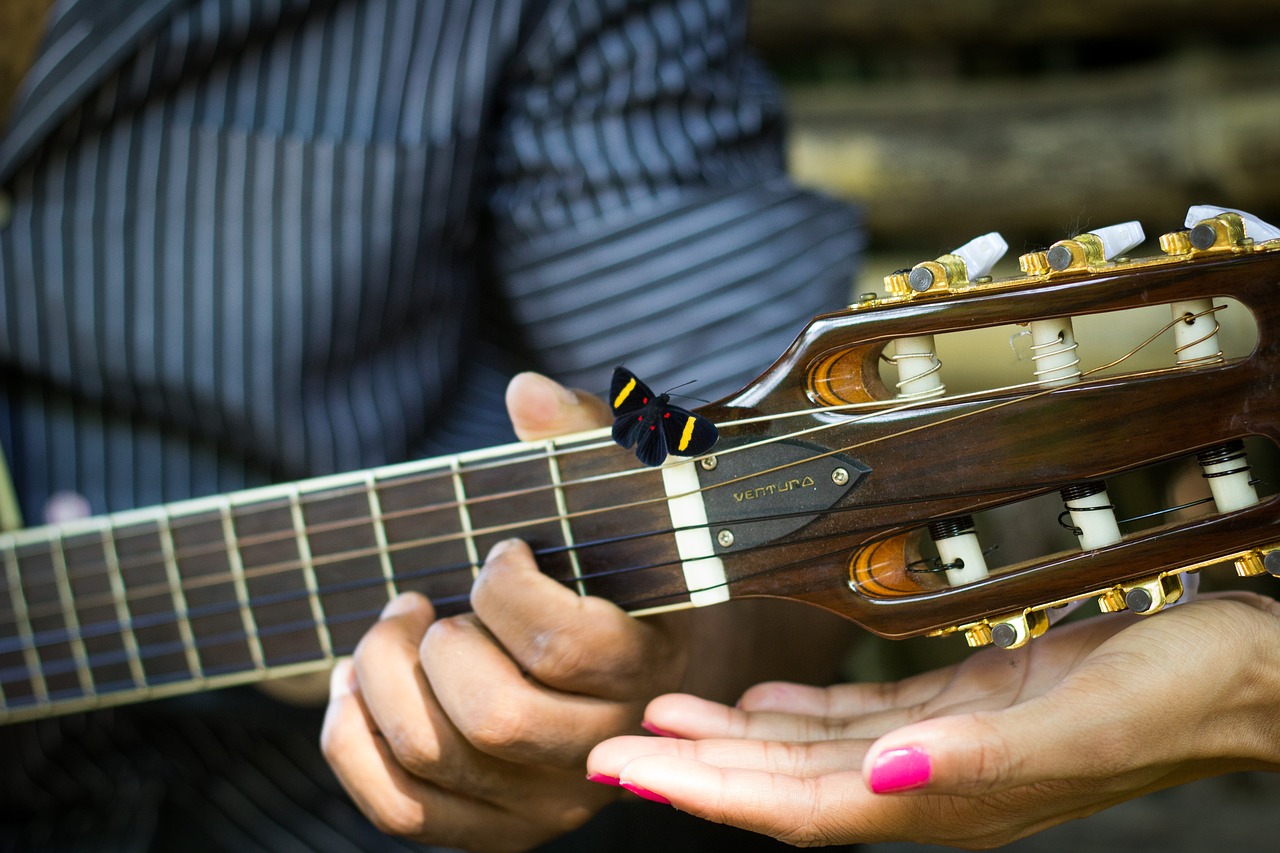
(464, 516)
(380, 532)
(215, 613)
(519, 498)
(562, 509)
(425, 545)
(69, 615)
(349, 560)
(146, 574)
(236, 564)
(275, 577)
(628, 554)
(120, 600)
(26, 632)
(165, 531)
(309, 572)
(97, 613)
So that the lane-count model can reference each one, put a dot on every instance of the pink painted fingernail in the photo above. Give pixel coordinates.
(603, 779)
(646, 794)
(900, 770)
(651, 728)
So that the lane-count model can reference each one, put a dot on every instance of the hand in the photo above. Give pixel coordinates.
(473, 731)
(979, 754)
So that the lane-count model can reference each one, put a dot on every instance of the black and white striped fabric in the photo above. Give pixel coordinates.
(254, 240)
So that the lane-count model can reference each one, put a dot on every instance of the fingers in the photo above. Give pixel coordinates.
(506, 715)
(542, 408)
(806, 811)
(611, 757)
(567, 642)
(393, 799)
(690, 717)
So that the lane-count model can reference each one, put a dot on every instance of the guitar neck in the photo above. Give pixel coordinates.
(285, 579)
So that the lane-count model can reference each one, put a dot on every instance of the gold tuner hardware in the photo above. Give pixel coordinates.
(1264, 560)
(1147, 596)
(1176, 243)
(1250, 564)
(1034, 263)
(1008, 632)
(1079, 253)
(936, 276)
(1222, 233)
(978, 635)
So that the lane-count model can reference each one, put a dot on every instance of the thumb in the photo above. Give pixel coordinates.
(542, 408)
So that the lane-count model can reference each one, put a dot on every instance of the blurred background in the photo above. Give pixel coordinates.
(1039, 120)
(1035, 119)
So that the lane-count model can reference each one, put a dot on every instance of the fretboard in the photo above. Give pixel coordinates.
(282, 580)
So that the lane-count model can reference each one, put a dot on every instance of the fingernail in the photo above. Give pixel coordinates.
(566, 395)
(402, 603)
(900, 770)
(646, 794)
(652, 729)
(498, 549)
(603, 779)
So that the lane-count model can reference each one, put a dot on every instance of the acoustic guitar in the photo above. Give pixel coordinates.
(849, 476)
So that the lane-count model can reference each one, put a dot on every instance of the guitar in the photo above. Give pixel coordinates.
(844, 477)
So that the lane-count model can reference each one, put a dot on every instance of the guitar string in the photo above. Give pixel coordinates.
(163, 588)
(187, 584)
(169, 617)
(71, 665)
(179, 523)
(310, 624)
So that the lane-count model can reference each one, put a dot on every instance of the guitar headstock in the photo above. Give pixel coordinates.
(1099, 437)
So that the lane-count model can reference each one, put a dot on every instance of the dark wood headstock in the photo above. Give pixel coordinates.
(935, 459)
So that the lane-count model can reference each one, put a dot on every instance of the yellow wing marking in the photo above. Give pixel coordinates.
(624, 393)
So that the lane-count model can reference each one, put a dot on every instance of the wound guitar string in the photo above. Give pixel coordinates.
(51, 638)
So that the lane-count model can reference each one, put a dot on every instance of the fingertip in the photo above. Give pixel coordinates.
(406, 603)
(342, 679)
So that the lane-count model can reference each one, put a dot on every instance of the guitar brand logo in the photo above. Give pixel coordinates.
(805, 482)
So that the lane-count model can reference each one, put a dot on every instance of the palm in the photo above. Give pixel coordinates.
(1089, 715)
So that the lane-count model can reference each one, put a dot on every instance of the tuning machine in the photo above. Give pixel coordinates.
(1090, 250)
(1214, 229)
(1007, 632)
(968, 263)
(1147, 596)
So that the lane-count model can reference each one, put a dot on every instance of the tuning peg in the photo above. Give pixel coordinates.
(970, 262)
(1094, 248)
(1120, 238)
(1260, 562)
(1146, 596)
(981, 254)
(1254, 228)
(1008, 632)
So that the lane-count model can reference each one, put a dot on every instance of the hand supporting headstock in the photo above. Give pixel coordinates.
(903, 540)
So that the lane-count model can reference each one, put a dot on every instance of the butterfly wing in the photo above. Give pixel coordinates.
(628, 397)
(687, 434)
(651, 443)
(651, 425)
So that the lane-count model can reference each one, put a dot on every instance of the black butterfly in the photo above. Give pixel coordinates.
(652, 425)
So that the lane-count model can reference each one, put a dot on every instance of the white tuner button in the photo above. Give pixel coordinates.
(981, 254)
(1254, 228)
(1118, 239)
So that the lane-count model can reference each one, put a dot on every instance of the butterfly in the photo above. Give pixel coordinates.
(650, 424)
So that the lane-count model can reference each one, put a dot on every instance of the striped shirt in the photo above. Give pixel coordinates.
(253, 240)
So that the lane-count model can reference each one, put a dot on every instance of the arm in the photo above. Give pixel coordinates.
(473, 731)
(979, 754)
